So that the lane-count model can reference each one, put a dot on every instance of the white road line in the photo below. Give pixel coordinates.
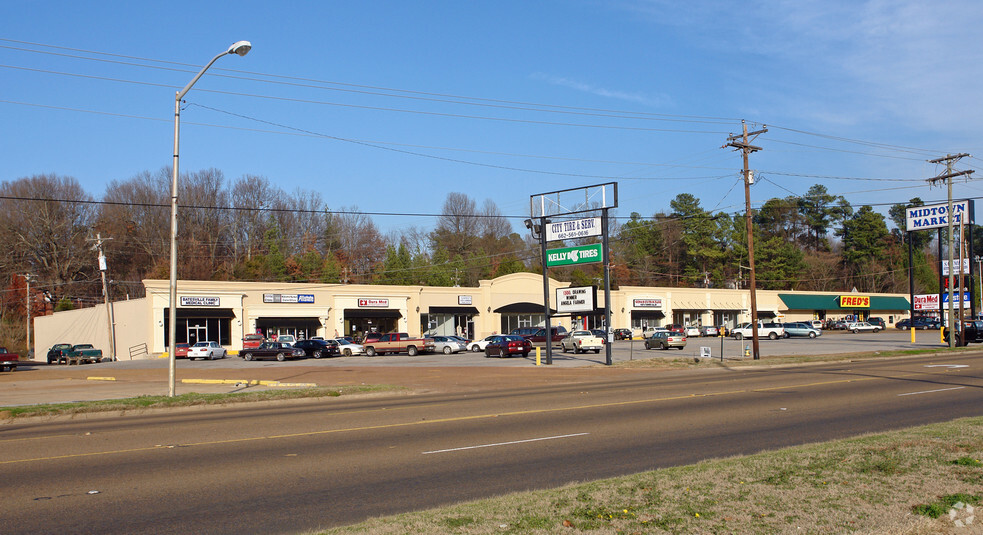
(505, 443)
(931, 391)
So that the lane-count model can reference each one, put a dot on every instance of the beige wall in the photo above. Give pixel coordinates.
(91, 326)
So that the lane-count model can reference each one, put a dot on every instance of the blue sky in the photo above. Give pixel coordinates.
(388, 106)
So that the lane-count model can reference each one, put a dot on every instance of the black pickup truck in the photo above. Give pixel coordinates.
(972, 331)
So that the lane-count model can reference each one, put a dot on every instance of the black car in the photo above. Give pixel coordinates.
(920, 322)
(317, 348)
(876, 321)
(622, 334)
(972, 330)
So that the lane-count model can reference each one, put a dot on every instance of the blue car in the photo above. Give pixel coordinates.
(801, 329)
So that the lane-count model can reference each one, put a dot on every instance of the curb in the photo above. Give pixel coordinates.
(248, 382)
(101, 378)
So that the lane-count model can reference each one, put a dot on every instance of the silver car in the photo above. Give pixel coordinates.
(348, 348)
(448, 344)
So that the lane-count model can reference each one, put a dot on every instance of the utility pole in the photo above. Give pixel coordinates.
(950, 159)
(27, 295)
(105, 297)
(741, 143)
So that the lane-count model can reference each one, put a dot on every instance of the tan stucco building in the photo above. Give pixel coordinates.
(225, 311)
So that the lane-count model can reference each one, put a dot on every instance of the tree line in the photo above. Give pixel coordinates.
(250, 229)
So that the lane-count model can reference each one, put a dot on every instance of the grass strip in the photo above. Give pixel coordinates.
(917, 481)
(186, 400)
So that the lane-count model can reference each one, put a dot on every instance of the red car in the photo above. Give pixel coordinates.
(539, 336)
(507, 345)
(252, 341)
(181, 351)
(676, 328)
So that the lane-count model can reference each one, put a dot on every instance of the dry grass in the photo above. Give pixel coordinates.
(695, 362)
(867, 485)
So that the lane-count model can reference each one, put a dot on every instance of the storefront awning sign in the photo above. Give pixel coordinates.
(585, 254)
(647, 303)
(578, 299)
(373, 302)
(288, 298)
(578, 228)
(936, 215)
(854, 301)
(196, 301)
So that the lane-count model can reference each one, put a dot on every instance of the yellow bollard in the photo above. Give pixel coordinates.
(912, 335)
(942, 334)
(538, 363)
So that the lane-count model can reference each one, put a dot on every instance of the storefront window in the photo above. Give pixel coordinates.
(515, 321)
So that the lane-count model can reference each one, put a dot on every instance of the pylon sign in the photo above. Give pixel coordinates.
(584, 254)
(577, 228)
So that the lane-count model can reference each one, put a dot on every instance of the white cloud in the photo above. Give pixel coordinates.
(656, 101)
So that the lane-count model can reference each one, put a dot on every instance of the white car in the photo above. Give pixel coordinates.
(206, 350)
(692, 330)
(448, 344)
(286, 339)
(348, 349)
(858, 327)
(478, 346)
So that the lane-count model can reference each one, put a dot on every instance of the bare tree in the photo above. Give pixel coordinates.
(361, 244)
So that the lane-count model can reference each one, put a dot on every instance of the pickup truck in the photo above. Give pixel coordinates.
(773, 331)
(581, 342)
(398, 343)
(81, 353)
(972, 330)
(58, 353)
(8, 360)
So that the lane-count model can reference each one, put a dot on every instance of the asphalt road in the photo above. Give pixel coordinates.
(294, 467)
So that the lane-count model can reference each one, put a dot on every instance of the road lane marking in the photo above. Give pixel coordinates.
(458, 418)
(947, 366)
(931, 391)
(505, 443)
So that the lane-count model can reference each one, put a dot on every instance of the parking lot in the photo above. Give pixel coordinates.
(831, 342)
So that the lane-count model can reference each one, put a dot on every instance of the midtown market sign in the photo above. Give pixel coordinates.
(936, 215)
(585, 254)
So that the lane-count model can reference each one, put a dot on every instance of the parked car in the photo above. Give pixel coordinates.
(972, 330)
(181, 351)
(665, 340)
(709, 330)
(877, 321)
(83, 353)
(840, 325)
(252, 340)
(272, 350)
(524, 331)
(581, 341)
(8, 360)
(58, 352)
(205, 350)
(287, 339)
(801, 329)
(676, 328)
(816, 324)
(478, 346)
(348, 348)
(506, 345)
(370, 337)
(862, 326)
(623, 334)
(919, 322)
(602, 334)
(448, 344)
(317, 348)
(691, 330)
(539, 337)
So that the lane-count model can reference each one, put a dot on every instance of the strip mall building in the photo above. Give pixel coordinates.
(225, 311)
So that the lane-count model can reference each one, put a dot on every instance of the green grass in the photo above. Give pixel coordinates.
(903, 482)
(185, 400)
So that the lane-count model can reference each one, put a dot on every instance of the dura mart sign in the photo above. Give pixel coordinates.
(578, 228)
(585, 254)
(195, 301)
(936, 215)
(854, 301)
(373, 302)
(579, 299)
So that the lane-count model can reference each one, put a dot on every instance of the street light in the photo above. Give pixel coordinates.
(241, 48)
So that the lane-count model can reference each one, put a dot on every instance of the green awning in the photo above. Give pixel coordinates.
(832, 302)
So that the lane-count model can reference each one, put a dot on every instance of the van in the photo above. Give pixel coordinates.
(816, 324)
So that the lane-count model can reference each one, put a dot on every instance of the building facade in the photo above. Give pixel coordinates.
(226, 311)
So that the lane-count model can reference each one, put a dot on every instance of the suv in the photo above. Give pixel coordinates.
(876, 321)
(524, 331)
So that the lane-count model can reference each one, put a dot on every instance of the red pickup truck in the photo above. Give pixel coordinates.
(8, 360)
(398, 343)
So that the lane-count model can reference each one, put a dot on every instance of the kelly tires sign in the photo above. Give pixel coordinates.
(585, 254)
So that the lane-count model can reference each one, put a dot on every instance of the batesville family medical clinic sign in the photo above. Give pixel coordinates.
(936, 215)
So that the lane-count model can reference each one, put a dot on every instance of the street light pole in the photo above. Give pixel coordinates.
(241, 48)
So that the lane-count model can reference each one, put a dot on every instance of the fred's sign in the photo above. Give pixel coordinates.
(854, 301)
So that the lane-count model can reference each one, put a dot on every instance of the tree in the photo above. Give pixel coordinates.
(702, 237)
(821, 210)
(866, 248)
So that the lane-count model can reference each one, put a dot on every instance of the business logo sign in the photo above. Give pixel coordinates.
(585, 254)
(579, 299)
(194, 301)
(578, 228)
(956, 302)
(288, 298)
(955, 262)
(647, 303)
(854, 301)
(936, 215)
(464, 300)
(373, 302)
(927, 302)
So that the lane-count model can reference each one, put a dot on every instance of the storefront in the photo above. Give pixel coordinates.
(646, 312)
(450, 320)
(373, 315)
(524, 314)
(200, 324)
(831, 306)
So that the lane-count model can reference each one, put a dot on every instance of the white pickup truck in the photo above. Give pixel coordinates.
(773, 331)
(582, 341)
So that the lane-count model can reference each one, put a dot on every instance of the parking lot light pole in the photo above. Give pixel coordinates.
(241, 48)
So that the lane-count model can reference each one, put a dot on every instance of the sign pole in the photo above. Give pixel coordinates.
(546, 291)
(607, 289)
